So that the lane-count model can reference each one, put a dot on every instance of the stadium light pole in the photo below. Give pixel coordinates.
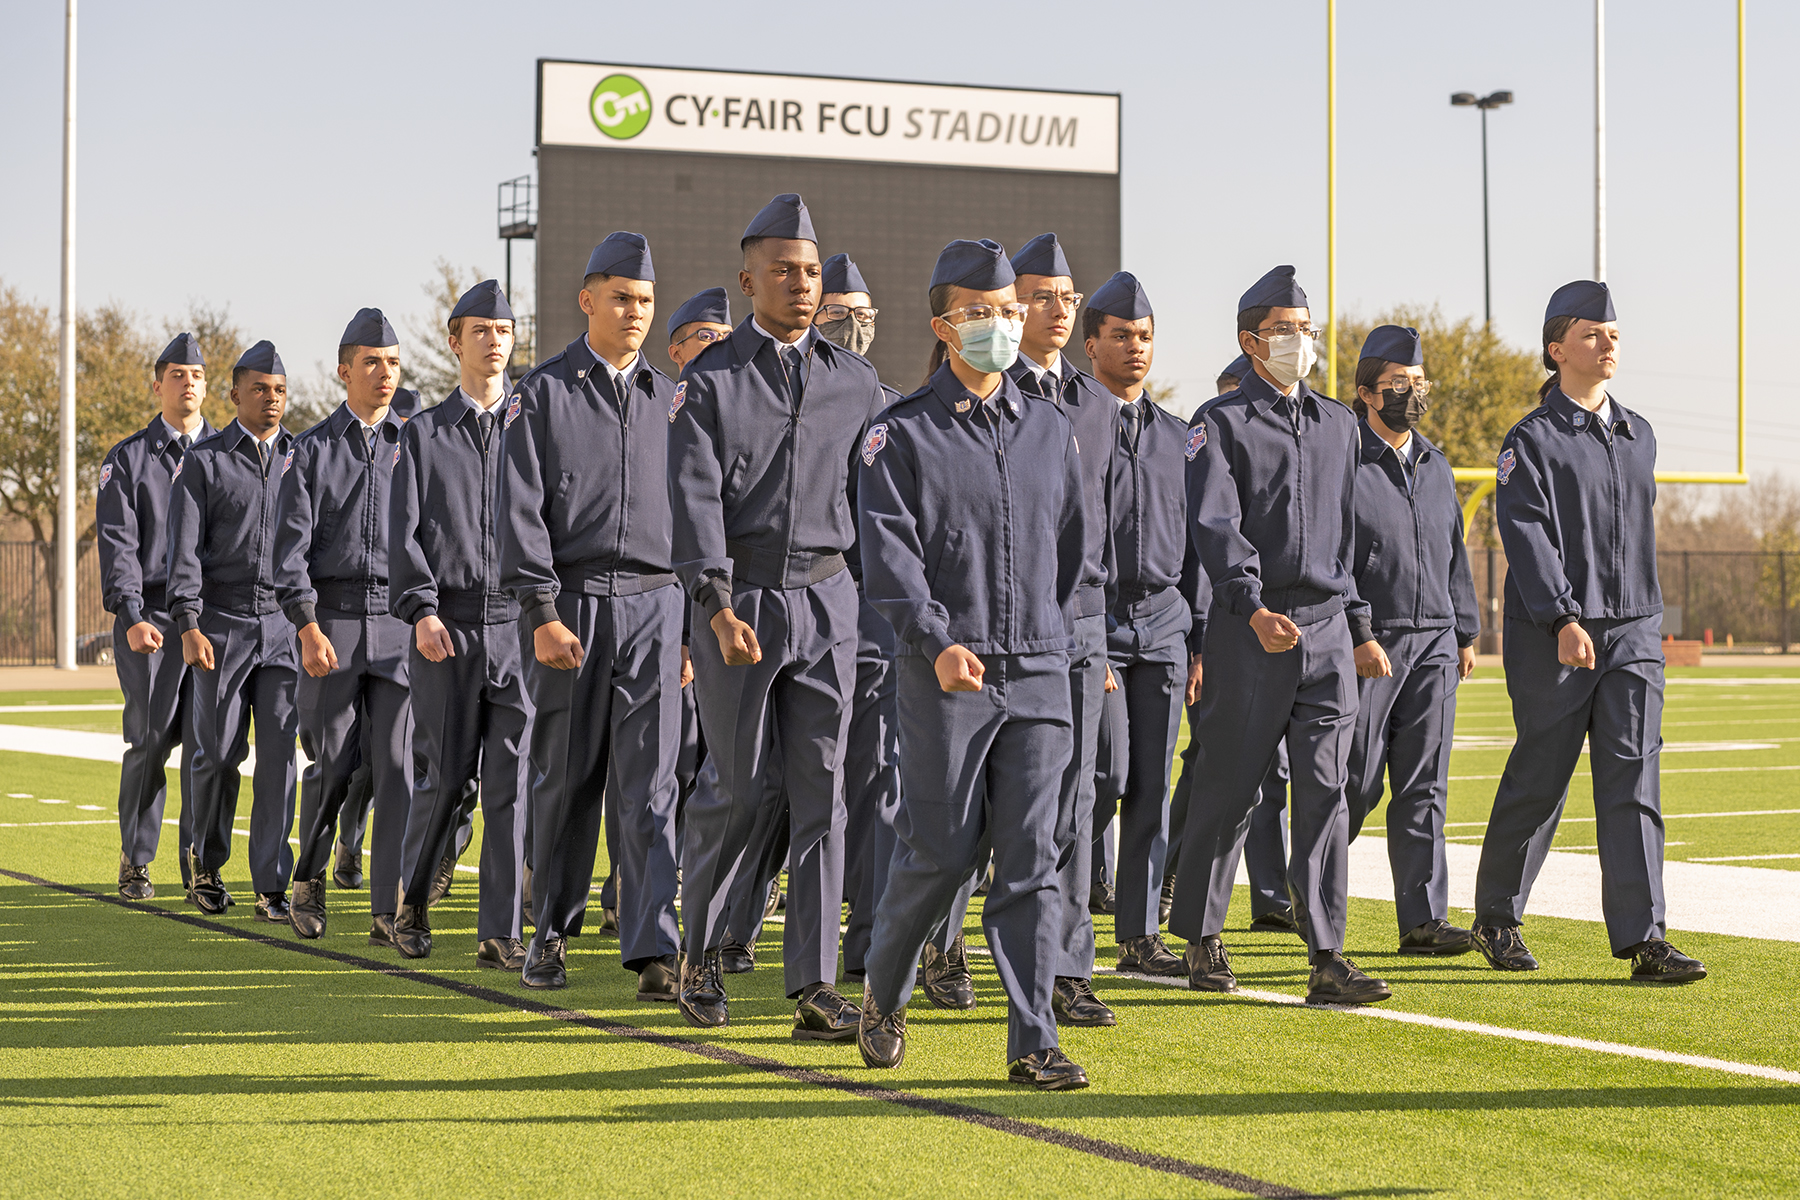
(65, 499)
(1600, 140)
(1484, 103)
(1331, 325)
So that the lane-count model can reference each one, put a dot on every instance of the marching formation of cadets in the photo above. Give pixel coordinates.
(914, 649)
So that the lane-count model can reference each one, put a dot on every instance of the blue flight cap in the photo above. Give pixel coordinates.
(1123, 297)
(783, 217)
(262, 358)
(979, 266)
(1395, 344)
(841, 275)
(1239, 368)
(1042, 255)
(184, 350)
(1585, 299)
(406, 401)
(369, 328)
(711, 305)
(624, 254)
(1277, 289)
(485, 299)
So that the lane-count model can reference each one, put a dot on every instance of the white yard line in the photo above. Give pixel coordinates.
(1744, 858)
(43, 824)
(1750, 812)
(1665, 771)
(38, 708)
(95, 747)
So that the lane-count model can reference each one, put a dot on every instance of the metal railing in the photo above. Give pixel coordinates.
(27, 605)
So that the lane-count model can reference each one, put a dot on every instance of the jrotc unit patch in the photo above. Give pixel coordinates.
(1196, 441)
(512, 413)
(106, 474)
(872, 446)
(287, 462)
(677, 400)
(1507, 463)
(173, 475)
(396, 459)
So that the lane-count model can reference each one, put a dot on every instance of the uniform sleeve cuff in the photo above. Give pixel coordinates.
(1361, 630)
(131, 612)
(538, 611)
(934, 642)
(1556, 626)
(1196, 637)
(1463, 643)
(1246, 600)
(419, 611)
(714, 595)
(186, 622)
(302, 614)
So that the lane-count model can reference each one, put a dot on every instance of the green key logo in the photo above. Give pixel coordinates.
(620, 107)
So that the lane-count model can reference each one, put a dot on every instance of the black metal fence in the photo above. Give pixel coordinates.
(28, 605)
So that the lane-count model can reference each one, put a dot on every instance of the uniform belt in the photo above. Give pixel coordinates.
(590, 582)
(1303, 605)
(254, 598)
(475, 607)
(773, 569)
(156, 596)
(359, 596)
(1136, 603)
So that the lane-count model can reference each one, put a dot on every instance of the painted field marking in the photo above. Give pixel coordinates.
(1667, 771)
(1742, 857)
(1506, 743)
(46, 824)
(1750, 812)
(38, 708)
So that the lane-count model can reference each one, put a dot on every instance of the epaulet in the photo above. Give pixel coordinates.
(124, 442)
(1540, 413)
(209, 439)
(539, 369)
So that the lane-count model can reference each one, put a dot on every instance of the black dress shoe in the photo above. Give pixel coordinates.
(777, 901)
(1209, 967)
(1658, 962)
(659, 980)
(609, 920)
(272, 908)
(824, 1016)
(1101, 900)
(1280, 921)
(702, 998)
(1166, 901)
(1074, 1003)
(946, 977)
(307, 913)
(1503, 947)
(381, 930)
(543, 966)
(209, 893)
(525, 897)
(134, 881)
(412, 931)
(501, 954)
(882, 1040)
(1048, 1070)
(1148, 955)
(1437, 937)
(735, 958)
(1337, 980)
(346, 870)
(440, 882)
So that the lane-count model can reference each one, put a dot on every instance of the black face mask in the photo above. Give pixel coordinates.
(1400, 411)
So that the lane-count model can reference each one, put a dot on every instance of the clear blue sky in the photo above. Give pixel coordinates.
(295, 162)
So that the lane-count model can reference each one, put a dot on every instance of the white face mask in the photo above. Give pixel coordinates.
(1291, 358)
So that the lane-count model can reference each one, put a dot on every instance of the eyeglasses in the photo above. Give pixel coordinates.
(1045, 301)
(1419, 387)
(1288, 329)
(837, 312)
(984, 312)
(707, 336)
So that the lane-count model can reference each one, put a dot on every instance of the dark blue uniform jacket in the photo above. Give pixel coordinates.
(1148, 510)
(1575, 511)
(131, 519)
(1093, 411)
(443, 519)
(974, 523)
(760, 482)
(1412, 568)
(222, 517)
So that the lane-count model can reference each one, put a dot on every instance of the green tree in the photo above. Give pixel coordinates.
(221, 344)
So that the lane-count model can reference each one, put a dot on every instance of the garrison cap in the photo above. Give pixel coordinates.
(183, 350)
(979, 266)
(624, 254)
(841, 275)
(711, 305)
(405, 403)
(1277, 289)
(485, 299)
(1585, 299)
(369, 328)
(1237, 368)
(1123, 297)
(1395, 344)
(262, 358)
(1042, 255)
(783, 217)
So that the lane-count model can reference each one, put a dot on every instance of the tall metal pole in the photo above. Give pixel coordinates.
(1600, 140)
(1331, 325)
(65, 501)
(1487, 267)
(1742, 346)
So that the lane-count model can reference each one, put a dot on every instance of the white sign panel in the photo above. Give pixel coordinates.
(805, 116)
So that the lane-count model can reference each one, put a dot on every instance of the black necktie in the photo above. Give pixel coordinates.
(1133, 418)
(181, 445)
(790, 357)
(486, 421)
(262, 452)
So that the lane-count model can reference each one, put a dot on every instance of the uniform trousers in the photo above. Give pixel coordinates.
(1617, 709)
(1265, 848)
(1075, 810)
(1251, 701)
(1404, 724)
(796, 704)
(471, 721)
(159, 689)
(979, 771)
(871, 777)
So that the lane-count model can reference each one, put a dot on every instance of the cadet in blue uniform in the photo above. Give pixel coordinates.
(223, 503)
(585, 516)
(1412, 571)
(1047, 288)
(470, 715)
(975, 544)
(331, 577)
(1271, 490)
(1583, 653)
(1148, 618)
(764, 427)
(131, 523)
